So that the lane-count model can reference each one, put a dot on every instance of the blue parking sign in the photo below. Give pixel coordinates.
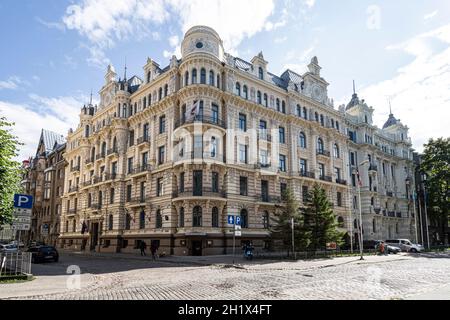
(23, 201)
(238, 221)
(230, 219)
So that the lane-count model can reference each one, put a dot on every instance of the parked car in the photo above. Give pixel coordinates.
(390, 249)
(43, 253)
(405, 245)
(16, 243)
(8, 248)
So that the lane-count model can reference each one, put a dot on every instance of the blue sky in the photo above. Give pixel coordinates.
(55, 52)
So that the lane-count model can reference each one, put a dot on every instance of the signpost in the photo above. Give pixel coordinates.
(235, 221)
(23, 205)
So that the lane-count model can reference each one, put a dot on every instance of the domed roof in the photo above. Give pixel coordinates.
(201, 29)
(354, 102)
(392, 121)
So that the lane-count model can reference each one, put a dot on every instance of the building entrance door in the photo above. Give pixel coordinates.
(94, 236)
(196, 248)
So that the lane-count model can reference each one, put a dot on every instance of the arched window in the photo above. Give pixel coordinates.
(145, 102)
(372, 201)
(215, 217)
(299, 111)
(259, 97)
(305, 113)
(158, 224)
(211, 78)
(93, 154)
(244, 218)
(186, 78)
(218, 81)
(336, 151)
(340, 222)
(197, 216)
(149, 100)
(245, 91)
(142, 220)
(302, 140)
(67, 226)
(124, 111)
(74, 226)
(266, 100)
(374, 225)
(149, 76)
(283, 107)
(166, 90)
(320, 145)
(332, 123)
(103, 149)
(160, 94)
(181, 217)
(316, 116)
(86, 131)
(110, 222)
(261, 73)
(194, 76)
(203, 76)
(278, 104)
(337, 125)
(238, 89)
(321, 120)
(127, 222)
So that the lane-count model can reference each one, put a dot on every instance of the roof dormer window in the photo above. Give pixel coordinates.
(261, 73)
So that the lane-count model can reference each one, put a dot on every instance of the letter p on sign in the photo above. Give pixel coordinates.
(23, 201)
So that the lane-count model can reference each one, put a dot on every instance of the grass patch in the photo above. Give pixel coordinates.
(16, 279)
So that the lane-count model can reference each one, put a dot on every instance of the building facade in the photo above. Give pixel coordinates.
(44, 180)
(166, 159)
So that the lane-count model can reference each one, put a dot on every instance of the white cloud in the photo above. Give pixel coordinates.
(55, 114)
(430, 15)
(298, 62)
(103, 22)
(420, 91)
(52, 25)
(310, 3)
(12, 83)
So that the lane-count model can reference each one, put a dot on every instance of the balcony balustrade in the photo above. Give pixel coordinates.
(112, 152)
(326, 178)
(75, 169)
(201, 119)
(321, 152)
(308, 174)
(203, 192)
(143, 139)
(199, 155)
(73, 189)
(340, 181)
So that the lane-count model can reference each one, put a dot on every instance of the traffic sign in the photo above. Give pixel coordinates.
(21, 226)
(44, 229)
(230, 220)
(237, 227)
(238, 233)
(23, 201)
(238, 221)
(22, 212)
(22, 219)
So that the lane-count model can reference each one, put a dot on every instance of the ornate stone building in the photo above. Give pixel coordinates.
(165, 159)
(44, 180)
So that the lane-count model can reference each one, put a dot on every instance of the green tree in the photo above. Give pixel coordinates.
(10, 170)
(282, 226)
(320, 220)
(436, 165)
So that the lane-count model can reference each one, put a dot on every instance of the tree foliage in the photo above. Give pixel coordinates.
(10, 170)
(436, 165)
(282, 228)
(320, 220)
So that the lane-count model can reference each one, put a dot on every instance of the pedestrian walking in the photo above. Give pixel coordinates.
(143, 246)
(153, 249)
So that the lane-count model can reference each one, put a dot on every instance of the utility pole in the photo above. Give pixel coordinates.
(293, 242)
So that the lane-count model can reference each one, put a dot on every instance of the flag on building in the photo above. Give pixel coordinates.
(359, 178)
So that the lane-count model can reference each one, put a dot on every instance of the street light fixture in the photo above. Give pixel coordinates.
(361, 243)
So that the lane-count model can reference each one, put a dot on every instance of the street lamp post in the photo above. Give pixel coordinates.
(424, 178)
(361, 242)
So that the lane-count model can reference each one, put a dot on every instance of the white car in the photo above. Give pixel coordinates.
(8, 248)
(406, 245)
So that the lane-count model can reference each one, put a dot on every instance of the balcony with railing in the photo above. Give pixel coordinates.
(141, 169)
(75, 169)
(341, 181)
(199, 155)
(307, 174)
(260, 165)
(201, 119)
(73, 189)
(89, 161)
(71, 211)
(326, 178)
(112, 152)
(143, 139)
(264, 136)
(377, 210)
(200, 192)
(267, 198)
(389, 194)
(373, 168)
(323, 152)
(141, 199)
(100, 156)
(95, 206)
(391, 214)
(399, 214)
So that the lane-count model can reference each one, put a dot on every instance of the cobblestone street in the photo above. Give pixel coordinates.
(129, 277)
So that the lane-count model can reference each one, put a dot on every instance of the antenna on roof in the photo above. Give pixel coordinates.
(90, 101)
(125, 73)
